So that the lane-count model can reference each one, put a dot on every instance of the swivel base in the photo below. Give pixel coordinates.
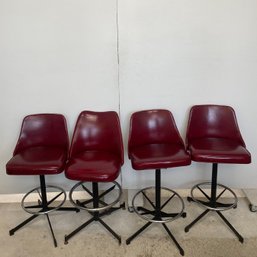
(95, 199)
(43, 207)
(157, 213)
(188, 227)
(12, 231)
(99, 208)
(128, 241)
(213, 202)
(96, 217)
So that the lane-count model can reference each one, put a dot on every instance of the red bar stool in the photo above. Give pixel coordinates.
(41, 150)
(155, 143)
(96, 156)
(213, 136)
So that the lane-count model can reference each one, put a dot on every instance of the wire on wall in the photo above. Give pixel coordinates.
(118, 62)
(118, 49)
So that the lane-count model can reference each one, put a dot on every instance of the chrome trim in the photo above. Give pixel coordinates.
(42, 212)
(158, 221)
(99, 208)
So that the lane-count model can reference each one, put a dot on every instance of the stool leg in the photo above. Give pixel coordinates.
(43, 203)
(174, 240)
(96, 198)
(241, 239)
(213, 203)
(12, 231)
(96, 215)
(52, 232)
(159, 207)
(138, 232)
(197, 219)
(110, 230)
(67, 237)
(157, 212)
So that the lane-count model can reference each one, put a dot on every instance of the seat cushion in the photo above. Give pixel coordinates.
(93, 166)
(158, 156)
(37, 161)
(218, 150)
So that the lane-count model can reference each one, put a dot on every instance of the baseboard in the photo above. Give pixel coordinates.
(16, 198)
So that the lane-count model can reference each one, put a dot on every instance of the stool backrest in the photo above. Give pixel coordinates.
(153, 127)
(43, 130)
(97, 131)
(213, 121)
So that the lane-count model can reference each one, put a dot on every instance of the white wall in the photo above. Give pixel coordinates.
(55, 56)
(61, 56)
(175, 54)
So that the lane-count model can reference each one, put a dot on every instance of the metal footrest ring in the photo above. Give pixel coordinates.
(209, 204)
(33, 209)
(105, 206)
(164, 216)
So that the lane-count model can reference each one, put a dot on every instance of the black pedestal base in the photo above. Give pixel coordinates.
(212, 203)
(96, 211)
(159, 216)
(43, 205)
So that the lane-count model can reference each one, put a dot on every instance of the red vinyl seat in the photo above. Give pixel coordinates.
(155, 144)
(213, 136)
(96, 156)
(220, 150)
(37, 160)
(100, 167)
(156, 156)
(41, 150)
(42, 146)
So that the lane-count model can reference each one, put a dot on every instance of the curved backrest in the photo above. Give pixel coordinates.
(213, 121)
(152, 127)
(97, 131)
(43, 130)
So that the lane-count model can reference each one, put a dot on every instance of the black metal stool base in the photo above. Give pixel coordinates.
(12, 231)
(212, 203)
(144, 211)
(96, 211)
(128, 241)
(188, 227)
(94, 218)
(159, 216)
(157, 213)
(44, 207)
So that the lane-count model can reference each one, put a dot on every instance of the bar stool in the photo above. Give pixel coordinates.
(213, 136)
(155, 143)
(41, 150)
(96, 156)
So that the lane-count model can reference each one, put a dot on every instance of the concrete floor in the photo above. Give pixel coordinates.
(210, 237)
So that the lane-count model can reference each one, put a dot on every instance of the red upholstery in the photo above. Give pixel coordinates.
(42, 146)
(213, 135)
(154, 141)
(96, 152)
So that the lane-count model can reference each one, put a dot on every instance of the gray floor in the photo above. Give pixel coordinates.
(210, 237)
